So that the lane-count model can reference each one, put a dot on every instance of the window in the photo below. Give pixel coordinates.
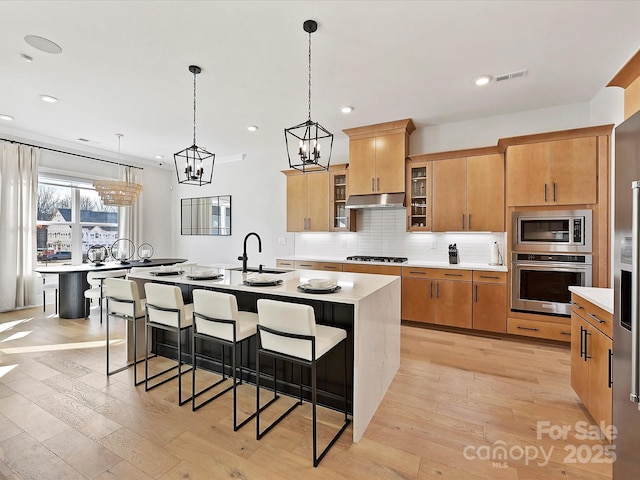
(71, 219)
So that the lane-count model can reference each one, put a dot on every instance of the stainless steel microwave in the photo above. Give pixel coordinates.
(552, 231)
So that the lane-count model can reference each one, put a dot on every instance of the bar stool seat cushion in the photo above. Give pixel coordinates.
(278, 316)
(158, 296)
(127, 290)
(223, 306)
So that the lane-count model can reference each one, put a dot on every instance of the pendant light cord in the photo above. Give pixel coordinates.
(309, 76)
(194, 108)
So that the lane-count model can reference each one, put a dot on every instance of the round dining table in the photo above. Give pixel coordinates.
(73, 281)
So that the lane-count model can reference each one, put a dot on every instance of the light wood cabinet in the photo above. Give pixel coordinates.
(591, 357)
(418, 194)
(534, 326)
(560, 172)
(377, 156)
(342, 218)
(307, 201)
(328, 266)
(377, 269)
(490, 301)
(467, 191)
(440, 296)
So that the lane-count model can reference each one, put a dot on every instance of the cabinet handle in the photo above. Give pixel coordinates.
(378, 184)
(554, 191)
(476, 294)
(490, 276)
(469, 221)
(596, 318)
(565, 333)
(372, 185)
(532, 329)
(417, 273)
(437, 290)
(581, 341)
(610, 368)
(463, 221)
(330, 267)
(577, 305)
(586, 345)
(431, 290)
(545, 193)
(305, 265)
(452, 274)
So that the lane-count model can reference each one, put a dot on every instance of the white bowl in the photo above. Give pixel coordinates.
(320, 283)
(263, 278)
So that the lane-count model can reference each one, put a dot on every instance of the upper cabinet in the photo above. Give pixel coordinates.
(464, 191)
(342, 219)
(561, 172)
(377, 156)
(307, 201)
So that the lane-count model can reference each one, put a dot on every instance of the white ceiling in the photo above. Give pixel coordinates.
(124, 66)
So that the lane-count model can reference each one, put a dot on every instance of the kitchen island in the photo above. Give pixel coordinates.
(367, 306)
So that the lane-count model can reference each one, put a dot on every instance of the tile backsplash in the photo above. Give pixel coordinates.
(383, 232)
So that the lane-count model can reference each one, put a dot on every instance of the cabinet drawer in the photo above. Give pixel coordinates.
(596, 316)
(284, 263)
(451, 274)
(489, 277)
(377, 269)
(417, 272)
(540, 329)
(310, 265)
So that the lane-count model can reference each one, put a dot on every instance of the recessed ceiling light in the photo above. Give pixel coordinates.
(346, 109)
(42, 44)
(252, 128)
(26, 57)
(482, 80)
(159, 157)
(48, 98)
(4, 116)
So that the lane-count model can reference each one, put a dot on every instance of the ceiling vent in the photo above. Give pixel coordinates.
(510, 76)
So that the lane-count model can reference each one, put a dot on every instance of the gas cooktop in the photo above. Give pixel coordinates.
(367, 258)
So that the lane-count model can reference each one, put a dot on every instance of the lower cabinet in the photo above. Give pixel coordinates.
(490, 301)
(591, 365)
(439, 296)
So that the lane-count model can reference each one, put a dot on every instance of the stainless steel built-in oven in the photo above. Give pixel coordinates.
(552, 231)
(540, 282)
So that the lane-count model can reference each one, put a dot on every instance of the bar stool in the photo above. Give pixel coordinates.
(97, 291)
(216, 319)
(123, 300)
(288, 331)
(166, 310)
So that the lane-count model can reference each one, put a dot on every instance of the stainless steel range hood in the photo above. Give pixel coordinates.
(376, 200)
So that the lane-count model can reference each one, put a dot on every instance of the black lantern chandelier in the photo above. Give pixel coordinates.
(195, 159)
(303, 141)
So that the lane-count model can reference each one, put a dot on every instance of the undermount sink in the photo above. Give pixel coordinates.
(257, 270)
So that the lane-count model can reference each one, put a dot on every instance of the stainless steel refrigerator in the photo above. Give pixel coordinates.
(626, 284)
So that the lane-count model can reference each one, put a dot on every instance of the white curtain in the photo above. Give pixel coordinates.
(18, 199)
(130, 218)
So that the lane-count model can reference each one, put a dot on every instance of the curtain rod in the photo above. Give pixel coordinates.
(70, 153)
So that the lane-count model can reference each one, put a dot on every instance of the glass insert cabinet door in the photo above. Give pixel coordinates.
(419, 211)
(206, 216)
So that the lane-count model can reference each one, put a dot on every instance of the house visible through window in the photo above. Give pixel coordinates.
(71, 219)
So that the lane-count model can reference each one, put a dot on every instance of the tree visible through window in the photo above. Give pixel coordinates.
(71, 219)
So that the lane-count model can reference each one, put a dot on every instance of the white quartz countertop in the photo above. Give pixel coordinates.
(409, 263)
(354, 286)
(602, 297)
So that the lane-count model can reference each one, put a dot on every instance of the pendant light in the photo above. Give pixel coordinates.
(197, 162)
(303, 141)
(121, 193)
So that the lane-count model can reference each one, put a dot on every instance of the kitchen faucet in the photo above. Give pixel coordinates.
(244, 257)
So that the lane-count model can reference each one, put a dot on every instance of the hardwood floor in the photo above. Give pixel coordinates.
(454, 402)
